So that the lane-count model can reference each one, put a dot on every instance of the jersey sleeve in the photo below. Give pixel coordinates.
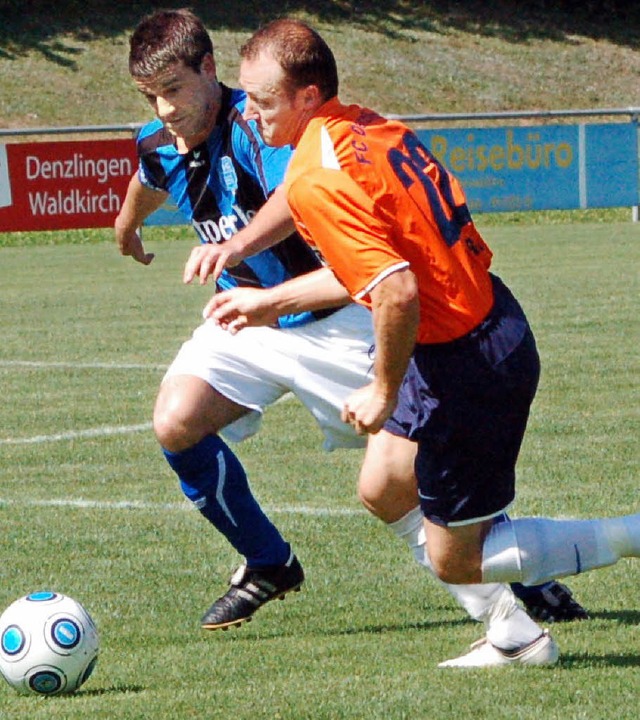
(149, 174)
(355, 238)
(146, 176)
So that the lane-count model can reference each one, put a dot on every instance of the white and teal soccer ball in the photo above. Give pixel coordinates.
(48, 644)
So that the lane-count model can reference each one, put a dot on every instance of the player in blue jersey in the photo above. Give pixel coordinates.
(202, 153)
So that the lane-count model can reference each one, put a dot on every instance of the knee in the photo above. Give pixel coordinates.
(387, 499)
(166, 430)
(387, 486)
(173, 425)
(370, 494)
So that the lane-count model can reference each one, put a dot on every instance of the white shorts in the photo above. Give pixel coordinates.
(321, 363)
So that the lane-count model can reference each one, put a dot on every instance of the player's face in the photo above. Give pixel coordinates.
(187, 102)
(280, 115)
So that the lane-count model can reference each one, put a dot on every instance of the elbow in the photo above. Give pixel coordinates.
(410, 296)
(397, 298)
(398, 290)
(406, 296)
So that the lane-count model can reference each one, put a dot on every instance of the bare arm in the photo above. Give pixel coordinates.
(245, 307)
(138, 204)
(396, 315)
(271, 224)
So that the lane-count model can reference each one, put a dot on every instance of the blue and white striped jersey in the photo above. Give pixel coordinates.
(220, 185)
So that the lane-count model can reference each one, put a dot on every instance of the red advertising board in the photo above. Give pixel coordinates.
(61, 185)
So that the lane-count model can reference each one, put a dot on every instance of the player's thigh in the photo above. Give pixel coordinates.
(188, 408)
(219, 382)
(387, 485)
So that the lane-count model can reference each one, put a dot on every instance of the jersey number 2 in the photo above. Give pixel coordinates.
(412, 165)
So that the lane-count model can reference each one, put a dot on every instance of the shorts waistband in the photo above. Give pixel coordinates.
(504, 306)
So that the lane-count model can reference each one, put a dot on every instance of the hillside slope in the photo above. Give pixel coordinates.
(398, 56)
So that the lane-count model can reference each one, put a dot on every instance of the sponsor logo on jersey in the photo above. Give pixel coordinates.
(196, 162)
(217, 231)
(228, 173)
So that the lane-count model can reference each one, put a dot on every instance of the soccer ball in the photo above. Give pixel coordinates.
(48, 644)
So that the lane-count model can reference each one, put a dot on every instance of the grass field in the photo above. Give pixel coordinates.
(88, 506)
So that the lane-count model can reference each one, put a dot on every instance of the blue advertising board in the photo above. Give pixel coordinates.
(541, 167)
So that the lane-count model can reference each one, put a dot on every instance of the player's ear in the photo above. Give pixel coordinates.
(312, 97)
(208, 66)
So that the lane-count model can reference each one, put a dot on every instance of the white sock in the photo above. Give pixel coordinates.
(507, 625)
(410, 528)
(535, 550)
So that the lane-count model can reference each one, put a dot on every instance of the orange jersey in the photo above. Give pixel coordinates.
(374, 200)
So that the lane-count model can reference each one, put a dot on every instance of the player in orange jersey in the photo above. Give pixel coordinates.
(456, 366)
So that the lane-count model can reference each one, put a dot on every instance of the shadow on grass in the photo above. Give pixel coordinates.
(111, 690)
(397, 627)
(631, 618)
(622, 617)
(573, 661)
(28, 27)
(277, 633)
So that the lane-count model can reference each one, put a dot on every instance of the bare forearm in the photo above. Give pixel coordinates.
(395, 317)
(314, 291)
(270, 225)
(245, 307)
(138, 204)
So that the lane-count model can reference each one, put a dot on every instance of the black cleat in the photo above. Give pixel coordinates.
(551, 602)
(251, 589)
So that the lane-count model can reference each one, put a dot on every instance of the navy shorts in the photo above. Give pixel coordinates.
(466, 404)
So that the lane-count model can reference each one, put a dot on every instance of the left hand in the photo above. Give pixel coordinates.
(367, 409)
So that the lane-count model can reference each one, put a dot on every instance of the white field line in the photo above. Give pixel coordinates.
(120, 430)
(165, 507)
(37, 364)
(76, 434)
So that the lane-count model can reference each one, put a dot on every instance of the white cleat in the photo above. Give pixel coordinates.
(542, 651)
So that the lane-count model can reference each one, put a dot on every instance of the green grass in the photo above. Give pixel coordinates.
(102, 519)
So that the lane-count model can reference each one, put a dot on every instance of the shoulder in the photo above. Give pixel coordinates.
(329, 136)
(233, 105)
(153, 137)
(237, 99)
(243, 130)
(249, 149)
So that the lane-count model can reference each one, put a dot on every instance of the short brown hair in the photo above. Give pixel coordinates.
(304, 56)
(166, 37)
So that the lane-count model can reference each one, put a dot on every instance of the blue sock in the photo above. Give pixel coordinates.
(212, 477)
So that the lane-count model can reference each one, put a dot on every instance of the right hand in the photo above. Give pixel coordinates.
(241, 307)
(130, 243)
(367, 409)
